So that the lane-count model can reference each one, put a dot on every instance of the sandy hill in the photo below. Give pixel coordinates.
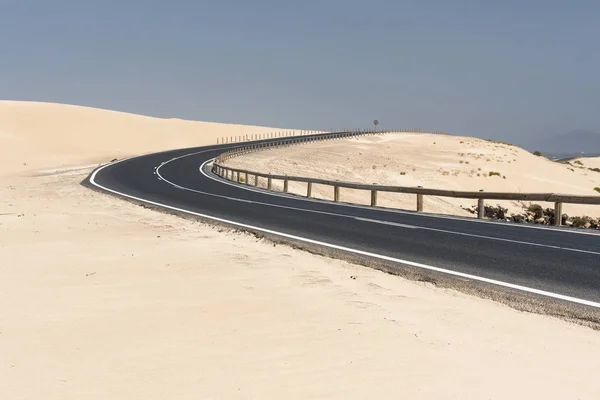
(587, 162)
(42, 135)
(433, 161)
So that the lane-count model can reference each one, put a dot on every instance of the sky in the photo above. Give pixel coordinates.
(507, 70)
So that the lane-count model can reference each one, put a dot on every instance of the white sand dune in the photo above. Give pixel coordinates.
(38, 135)
(589, 162)
(432, 161)
(102, 299)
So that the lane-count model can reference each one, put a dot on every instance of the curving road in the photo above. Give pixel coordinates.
(528, 264)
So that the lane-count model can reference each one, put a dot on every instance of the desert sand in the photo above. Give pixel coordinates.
(100, 299)
(35, 136)
(428, 160)
(588, 162)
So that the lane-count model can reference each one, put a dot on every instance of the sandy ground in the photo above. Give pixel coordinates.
(588, 162)
(100, 299)
(428, 160)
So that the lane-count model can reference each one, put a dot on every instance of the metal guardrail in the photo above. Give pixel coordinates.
(234, 174)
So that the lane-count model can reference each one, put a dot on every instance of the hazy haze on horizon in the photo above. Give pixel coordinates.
(512, 70)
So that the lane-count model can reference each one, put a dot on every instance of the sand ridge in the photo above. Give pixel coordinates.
(587, 162)
(37, 135)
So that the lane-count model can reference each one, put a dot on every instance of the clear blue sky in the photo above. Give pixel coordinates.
(497, 69)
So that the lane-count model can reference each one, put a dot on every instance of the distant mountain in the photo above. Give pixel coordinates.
(577, 142)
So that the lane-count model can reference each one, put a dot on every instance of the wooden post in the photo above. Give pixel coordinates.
(309, 189)
(269, 183)
(373, 198)
(336, 193)
(285, 185)
(246, 178)
(255, 180)
(558, 213)
(419, 202)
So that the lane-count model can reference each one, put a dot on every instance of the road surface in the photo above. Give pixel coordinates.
(526, 264)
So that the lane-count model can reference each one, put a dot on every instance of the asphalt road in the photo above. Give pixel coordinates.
(562, 265)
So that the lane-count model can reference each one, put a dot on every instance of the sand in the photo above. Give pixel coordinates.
(100, 299)
(428, 160)
(34, 135)
(588, 162)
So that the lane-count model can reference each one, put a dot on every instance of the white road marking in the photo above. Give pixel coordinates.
(477, 236)
(350, 250)
(377, 221)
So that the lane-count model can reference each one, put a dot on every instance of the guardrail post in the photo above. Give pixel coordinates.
(419, 202)
(285, 185)
(309, 189)
(373, 198)
(336, 193)
(269, 183)
(558, 213)
(246, 178)
(480, 207)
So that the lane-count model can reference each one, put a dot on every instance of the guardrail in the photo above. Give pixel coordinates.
(288, 140)
(281, 134)
(235, 174)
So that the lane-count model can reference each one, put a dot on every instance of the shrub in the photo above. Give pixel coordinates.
(494, 173)
(499, 142)
(597, 189)
(594, 169)
(536, 210)
(537, 153)
(402, 173)
(577, 162)
(579, 222)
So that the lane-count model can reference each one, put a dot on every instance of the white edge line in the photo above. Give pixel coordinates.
(396, 211)
(349, 250)
(355, 217)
